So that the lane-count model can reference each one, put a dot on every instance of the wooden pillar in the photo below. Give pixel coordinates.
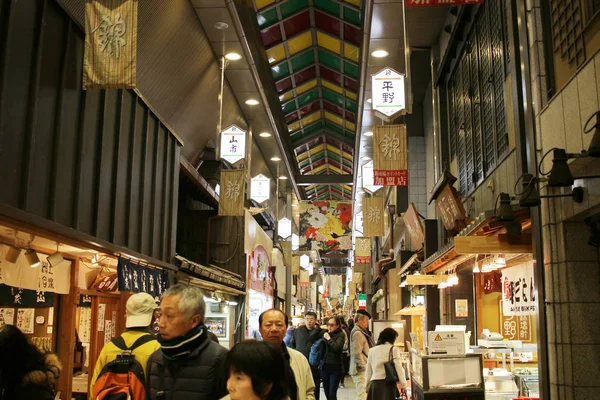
(66, 333)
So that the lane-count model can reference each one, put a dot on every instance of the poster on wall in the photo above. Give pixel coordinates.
(25, 320)
(261, 277)
(325, 225)
(7, 316)
(519, 290)
(85, 324)
(217, 325)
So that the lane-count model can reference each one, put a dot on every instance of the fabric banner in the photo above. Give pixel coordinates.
(325, 225)
(362, 254)
(261, 277)
(141, 279)
(19, 297)
(357, 277)
(519, 290)
(286, 246)
(390, 165)
(233, 192)
(373, 216)
(296, 265)
(351, 289)
(304, 279)
(110, 54)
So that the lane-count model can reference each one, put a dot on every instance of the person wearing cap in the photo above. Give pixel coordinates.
(360, 343)
(139, 310)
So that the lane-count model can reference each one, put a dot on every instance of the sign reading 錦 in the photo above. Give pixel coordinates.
(368, 178)
(390, 157)
(389, 97)
(362, 254)
(373, 216)
(519, 290)
(449, 207)
(260, 187)
(233, 192)
(416, 3)
(233, 144)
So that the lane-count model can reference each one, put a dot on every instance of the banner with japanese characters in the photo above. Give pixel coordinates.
(141, 279)
(295, 265)
(325, 225)
(233, 192)
(304, 278)
(373, 216)
(519, 290)
(390, 157)
(110, 53)
(389, 97)
(362, 253)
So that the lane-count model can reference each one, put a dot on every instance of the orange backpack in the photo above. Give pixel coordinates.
(122, 378)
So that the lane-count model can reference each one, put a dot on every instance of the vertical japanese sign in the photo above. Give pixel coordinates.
(233, 144)
(286, 247)
(362, 253)
(416, 3)
(373, 216)
(390, 158)
(519, 290)
(110, 53)
(233, 188)
(295, 265)
(389, 97)
(413, 224)
(260, 187)
(449, 207)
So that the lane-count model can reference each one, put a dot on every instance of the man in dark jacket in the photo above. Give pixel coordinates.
(302, 340)
(189, 365)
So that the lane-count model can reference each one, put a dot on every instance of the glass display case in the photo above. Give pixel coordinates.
(450, 377)
(529, 385)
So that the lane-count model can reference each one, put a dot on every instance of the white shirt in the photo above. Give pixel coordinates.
(378, 356)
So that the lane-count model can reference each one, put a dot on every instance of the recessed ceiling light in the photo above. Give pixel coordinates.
(380, 53)
(283, 178)
(365, 158)
(264, 134)
(369, 100)
(369, 133)
(221, 25)
(233, 56)
(275, 159)
(252, 102)
(297, 215)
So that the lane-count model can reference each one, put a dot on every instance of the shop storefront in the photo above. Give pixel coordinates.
(260, 289)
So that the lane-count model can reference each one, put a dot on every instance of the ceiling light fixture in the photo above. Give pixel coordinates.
(380, 53)
(366, 158)
(368, 133)
(12, 254)
(32, 258)
(55, 258)
(252, 102)
(275, 159)
(283, 178)
(221, 25)
(233, 56)
(369, 100)
(264, 134)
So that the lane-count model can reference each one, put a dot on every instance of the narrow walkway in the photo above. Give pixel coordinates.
(347, 393)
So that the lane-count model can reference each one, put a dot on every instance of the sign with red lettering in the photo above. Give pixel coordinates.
(519, 290)
(390, 156)
(417, 3)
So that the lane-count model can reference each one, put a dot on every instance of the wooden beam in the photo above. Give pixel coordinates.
(493, 244)
(415, 280)
(66, 333)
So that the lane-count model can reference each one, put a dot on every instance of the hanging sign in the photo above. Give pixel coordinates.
(110, 53)
(416, 3)
(137, 278)
(284, 228)
(519, 290)
(362, 254)
(362, 301)
(260, 187)
(286, 247)
(261, 276)
(390, 155)
(449, 207)
(304, 278)
(325, 225)
(389, 97)
(413, 224)
(233, 144)
(373, 216)
(368, 178)
(233, 192)
(295, 265)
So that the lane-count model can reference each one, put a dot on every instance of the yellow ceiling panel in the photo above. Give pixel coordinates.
(328, 42)
(350, 95)
(334, 118)
(332, 149)
(350, 126)
(303, 156)
(306, 87)
(319, 169)
(299, 43)
(348, 188)
(335, 169)
(284, 98)
(260, 4)
(351, 52)
(294, 127)
(276, 54)
(331, 86)
(353, 2)
(311, 118)
(317, 149)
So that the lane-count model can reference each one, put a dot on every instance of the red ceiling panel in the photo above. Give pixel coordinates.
(327, 23)
(350, 116)
(333, 108)
(310, 108)
(291, 117)
(352, 34)
(271, 36)
(284, 85)
(350, 84)
(305, 75)
(297, 24)
(331, 75)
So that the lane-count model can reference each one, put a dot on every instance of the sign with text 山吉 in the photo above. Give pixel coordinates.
(390, 156)
(233, 144)
(389, 97)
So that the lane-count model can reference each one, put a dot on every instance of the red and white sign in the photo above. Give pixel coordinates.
(417, 3)
(519, 290)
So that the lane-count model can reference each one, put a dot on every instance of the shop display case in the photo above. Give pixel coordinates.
(500, 387)
(450, 378)
(529, 385)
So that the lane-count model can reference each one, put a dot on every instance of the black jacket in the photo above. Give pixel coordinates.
(37, 384)
(303, 339)
(199, 376)
(335, 345)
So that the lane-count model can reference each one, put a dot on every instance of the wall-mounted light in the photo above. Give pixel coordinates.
(12, 254)
(55, 258)
(32, 258)
(530, 196)
(594, 149)
(594, 224)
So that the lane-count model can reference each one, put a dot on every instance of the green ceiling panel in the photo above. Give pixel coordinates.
(351, 105)
(267, 18)
(319, 156)
(313, 128)
(307, 98)
(352, 15)
(334, 127)
(280, 71)
(329, 6)
(289, 107)
(333, 97)
(351, 69)
(330, 60)
(296, 136)
(333, 156)
(292, 7)
(303, 60)
(304, 163)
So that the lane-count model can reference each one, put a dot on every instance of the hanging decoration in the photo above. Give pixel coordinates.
(110, 53)
(450, 208)
(325, 225)
(519, 290)
(414, 226)
(286, 247)
(140, 279)
(368, 178)
(362, 253)
(389, 97)
(260, 187)
(261, 277)
(304, 279)
(295, 265)
(233, 192)
(233, 145)
(390, 157)
(284, 228)
(373, 216)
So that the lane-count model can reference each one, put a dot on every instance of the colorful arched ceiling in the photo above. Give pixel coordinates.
(313, 49)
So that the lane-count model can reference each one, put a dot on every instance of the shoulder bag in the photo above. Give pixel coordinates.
(390, 368)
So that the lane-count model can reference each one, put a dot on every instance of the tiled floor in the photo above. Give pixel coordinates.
(348, 393)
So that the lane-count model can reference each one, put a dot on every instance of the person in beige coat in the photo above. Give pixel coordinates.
(360, 343)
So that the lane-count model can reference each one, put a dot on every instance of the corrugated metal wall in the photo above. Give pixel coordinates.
(97, 161)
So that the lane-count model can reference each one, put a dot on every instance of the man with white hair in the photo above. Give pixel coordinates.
(188, 365)
(360, 343)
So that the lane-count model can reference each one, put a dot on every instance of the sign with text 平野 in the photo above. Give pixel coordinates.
(389, 97)
(233, 144)
(417, 3)
(390, 158)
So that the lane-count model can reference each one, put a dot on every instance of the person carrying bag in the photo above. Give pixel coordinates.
(384, 369)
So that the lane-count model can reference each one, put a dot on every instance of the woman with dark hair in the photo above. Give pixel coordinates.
(378, 388)
(331, 369)
(256, 371)
(25, 372)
